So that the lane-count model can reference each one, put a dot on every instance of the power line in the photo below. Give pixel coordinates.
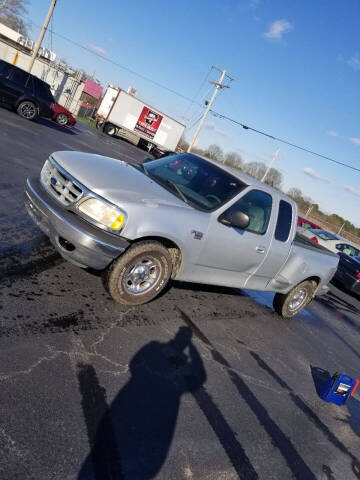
(133, 72)
(198, 91)
(192, 101)
(286, 142)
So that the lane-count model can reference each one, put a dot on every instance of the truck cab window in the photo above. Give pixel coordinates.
(284, 221)
(257, 205)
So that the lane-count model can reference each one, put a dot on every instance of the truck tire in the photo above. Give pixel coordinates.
(140, 274)
(110, 129)
(289, 304)
(27, 109)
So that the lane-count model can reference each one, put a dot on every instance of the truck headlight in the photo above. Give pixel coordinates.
(103, 213)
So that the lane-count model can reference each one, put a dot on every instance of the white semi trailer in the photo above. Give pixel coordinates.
(124, 115)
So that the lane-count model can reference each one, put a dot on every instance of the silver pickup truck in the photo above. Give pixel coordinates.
(180, 217)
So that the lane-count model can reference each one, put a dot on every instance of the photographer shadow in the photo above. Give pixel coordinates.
(132, 437)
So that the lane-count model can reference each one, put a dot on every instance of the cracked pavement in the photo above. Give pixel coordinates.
(202, 383)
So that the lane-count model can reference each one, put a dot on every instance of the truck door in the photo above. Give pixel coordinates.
(232, 255)
(280, 245)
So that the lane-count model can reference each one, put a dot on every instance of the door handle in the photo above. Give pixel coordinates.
(260, 249)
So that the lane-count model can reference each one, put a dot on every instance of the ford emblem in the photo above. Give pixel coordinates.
(53, 181)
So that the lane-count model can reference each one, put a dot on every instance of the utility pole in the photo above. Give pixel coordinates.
(274, 157)
(218, 86)
(309, 210)
(42, 33)
(342, 226)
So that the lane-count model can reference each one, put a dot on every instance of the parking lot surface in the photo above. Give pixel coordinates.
(202, 383)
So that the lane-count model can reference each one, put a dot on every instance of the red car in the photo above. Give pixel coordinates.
(305, 223)
(62, 116)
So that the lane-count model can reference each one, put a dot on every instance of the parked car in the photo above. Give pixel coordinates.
(62, 116)
(146, 224)
(348, 272)
(330, 241)
(30, 96)
(305, 224)
(158, 152)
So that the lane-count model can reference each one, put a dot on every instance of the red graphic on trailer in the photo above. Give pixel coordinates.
(148, 122)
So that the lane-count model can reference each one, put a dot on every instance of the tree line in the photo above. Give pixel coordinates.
(274, 178)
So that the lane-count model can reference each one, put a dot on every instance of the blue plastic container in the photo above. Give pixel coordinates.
(338, 389)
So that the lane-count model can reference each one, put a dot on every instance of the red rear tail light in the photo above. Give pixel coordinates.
(358, 275)
(314, 239)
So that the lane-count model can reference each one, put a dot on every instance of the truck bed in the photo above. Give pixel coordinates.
(310, 245)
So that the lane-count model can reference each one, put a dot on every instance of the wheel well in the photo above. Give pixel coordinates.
(27, 100)
(315, 281)
(174, 251)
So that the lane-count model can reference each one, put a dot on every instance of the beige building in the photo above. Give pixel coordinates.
(65, 84)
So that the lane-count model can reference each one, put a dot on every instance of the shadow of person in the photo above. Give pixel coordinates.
(133, 437)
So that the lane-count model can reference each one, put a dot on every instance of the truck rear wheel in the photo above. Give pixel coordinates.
(140, 274)
(289, 304)
(110, 129)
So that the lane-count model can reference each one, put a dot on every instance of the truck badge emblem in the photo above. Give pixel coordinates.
(53, 181)
(197, 235)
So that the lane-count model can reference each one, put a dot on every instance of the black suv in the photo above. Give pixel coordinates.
(29, 95)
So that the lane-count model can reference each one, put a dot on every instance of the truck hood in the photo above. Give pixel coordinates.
(115, 180)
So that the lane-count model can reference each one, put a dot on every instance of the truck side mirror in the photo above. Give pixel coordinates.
(237, 219)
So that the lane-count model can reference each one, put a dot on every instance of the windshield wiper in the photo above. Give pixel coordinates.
(176, 188)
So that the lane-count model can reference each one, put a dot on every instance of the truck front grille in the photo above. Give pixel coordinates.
(59, 185)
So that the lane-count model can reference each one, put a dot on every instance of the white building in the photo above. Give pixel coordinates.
(65, 84)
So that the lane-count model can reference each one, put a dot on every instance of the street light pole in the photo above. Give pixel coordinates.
(218, 86)
(274, 157)
(41, 36)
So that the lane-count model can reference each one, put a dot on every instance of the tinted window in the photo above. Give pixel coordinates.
(194, 180)
(283, 225)
(305, 225)
(43, 90)
(19, 77)
(4, 68)
(323, 234)
(257, 205)
(348, 249)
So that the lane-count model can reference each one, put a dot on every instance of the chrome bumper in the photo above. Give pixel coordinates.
(75, 239)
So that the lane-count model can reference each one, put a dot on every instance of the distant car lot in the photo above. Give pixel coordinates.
(72, 362)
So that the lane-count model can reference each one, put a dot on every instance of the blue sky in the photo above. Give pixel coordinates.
(296, 65)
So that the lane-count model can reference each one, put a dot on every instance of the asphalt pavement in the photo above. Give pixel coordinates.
(202, 383)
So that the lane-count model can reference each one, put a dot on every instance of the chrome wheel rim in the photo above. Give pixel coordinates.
(62, 119)
(298, 299)
(111, 131)
(28, 110)
(142, 275)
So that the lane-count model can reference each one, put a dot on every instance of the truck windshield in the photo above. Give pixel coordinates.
(204, 185)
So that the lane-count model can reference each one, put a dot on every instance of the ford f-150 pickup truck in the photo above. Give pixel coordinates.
(180, 217)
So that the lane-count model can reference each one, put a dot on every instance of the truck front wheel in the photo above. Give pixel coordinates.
(110, 129)
(289, 304)
(140, 274)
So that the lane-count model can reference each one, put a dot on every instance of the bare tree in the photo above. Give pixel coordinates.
(214, 152)
(255, 169)
(233, 159)
(295, 194)
(12, 14)
(274, 178)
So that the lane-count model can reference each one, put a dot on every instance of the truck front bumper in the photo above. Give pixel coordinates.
(74, 238)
